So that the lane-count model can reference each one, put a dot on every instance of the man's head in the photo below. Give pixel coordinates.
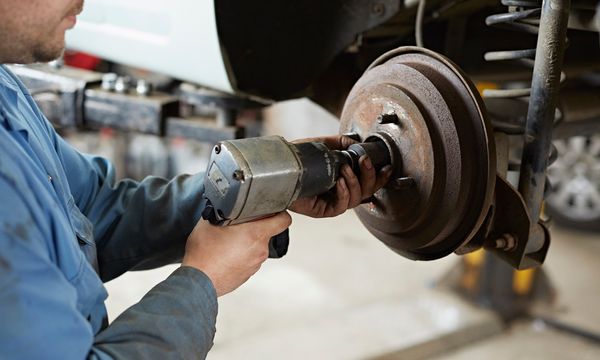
(34, 30)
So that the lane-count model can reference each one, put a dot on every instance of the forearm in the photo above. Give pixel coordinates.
(175, 320)
(145, 225)
(137, 225)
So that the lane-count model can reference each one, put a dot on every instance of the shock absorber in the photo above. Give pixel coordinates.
(546, 61)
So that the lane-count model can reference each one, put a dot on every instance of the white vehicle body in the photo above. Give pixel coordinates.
(177, 38)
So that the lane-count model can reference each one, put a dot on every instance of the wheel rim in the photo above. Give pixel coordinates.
(575, 178)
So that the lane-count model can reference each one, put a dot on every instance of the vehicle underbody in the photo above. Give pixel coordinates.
(511, 50)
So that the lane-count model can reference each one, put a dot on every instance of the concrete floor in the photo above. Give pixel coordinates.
(341, 294)
(527, 341)
(572, 264)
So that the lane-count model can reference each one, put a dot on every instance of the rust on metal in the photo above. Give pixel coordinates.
(439, 137)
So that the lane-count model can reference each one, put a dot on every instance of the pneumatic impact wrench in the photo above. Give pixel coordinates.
(249, 179)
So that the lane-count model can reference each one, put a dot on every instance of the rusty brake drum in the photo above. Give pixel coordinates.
(432, 119)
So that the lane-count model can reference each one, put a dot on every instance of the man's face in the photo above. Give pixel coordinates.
(34, 30)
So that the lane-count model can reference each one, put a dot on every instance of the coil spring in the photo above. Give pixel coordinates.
(521, 16)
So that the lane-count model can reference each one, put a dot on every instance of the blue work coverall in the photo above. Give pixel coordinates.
(66, 226)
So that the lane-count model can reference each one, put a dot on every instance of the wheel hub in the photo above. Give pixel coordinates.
(432, 119)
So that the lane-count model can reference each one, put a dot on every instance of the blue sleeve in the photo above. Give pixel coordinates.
(175, 320)
(40, 319)
(137, 225)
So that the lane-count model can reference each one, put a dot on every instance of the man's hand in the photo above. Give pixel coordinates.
(349, 190)
(230, 255)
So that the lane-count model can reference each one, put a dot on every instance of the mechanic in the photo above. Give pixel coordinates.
(66, 226)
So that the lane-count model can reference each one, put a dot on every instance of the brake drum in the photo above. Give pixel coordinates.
(433, 121)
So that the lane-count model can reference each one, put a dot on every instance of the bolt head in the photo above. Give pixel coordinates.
(506, 242)
(353, 135)
(404, 183)
(108, 81)
(122, 84)
(143, 87)
(238, 175)
(378, 9)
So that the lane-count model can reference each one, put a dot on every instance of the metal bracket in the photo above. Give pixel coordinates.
(511, 223)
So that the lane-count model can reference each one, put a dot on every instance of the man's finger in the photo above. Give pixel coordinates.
(342, 199)
(334, 142)
(337, 142)
(383, 177)
(353, 186)
(275, 224)
(368, 177)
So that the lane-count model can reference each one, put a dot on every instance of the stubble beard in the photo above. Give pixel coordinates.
(46, 52)
(24, 49)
